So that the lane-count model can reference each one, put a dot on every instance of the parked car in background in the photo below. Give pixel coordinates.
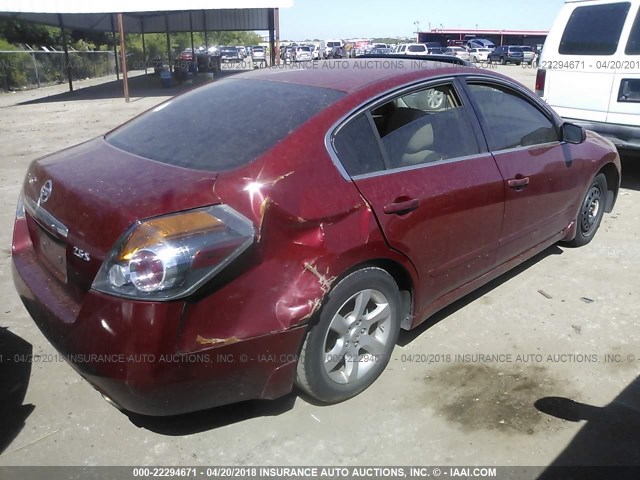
(380, 51)
(506, 54)
(331, 46)
(480, 43)
(434, 47)
(400, 49)
(303, 254)
(457, 52)
(259, 55)
(529, 54)
(302, 54)
(415, 49)
(479, 54)
(589, 68)
(229, 54)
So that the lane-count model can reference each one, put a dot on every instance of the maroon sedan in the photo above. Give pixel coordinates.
(224, 247)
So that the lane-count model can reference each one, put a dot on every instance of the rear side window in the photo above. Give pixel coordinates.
(223, 125)
(633, 45)
(425, 126)
(509, 120)
(357, 147)
(594, 30)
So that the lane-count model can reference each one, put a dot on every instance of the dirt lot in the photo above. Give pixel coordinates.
(565, 324)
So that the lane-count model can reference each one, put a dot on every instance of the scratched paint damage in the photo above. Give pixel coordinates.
(216, 341)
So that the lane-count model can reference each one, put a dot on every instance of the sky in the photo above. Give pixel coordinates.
(310, 19)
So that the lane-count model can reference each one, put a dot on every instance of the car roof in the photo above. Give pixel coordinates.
(350, 75)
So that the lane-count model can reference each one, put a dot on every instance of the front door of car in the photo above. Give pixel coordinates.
(541, 181)
(439, 198)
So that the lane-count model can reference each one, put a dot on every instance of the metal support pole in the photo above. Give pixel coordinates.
(193, 48)
(123, 53)
(66, 52)
(115, 48)
(206, 34)
(166, 23)
(144, 47)
(35, 68)
(191, 32)
(272, 36)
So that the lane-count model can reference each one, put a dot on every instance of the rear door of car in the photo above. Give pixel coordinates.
(435, 190)
(541, 181)
(624, 104)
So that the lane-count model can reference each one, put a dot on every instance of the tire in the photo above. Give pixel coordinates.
(518, 63)
(591, 212)
(489, 61)
(503, 61)
(343, 353)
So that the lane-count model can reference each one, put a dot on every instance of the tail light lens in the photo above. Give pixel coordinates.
(172, 256)
(541, 78)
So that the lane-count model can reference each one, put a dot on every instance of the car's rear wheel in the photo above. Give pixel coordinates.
(503, 61)
(489, 61)
(351, 344)
(591, 212)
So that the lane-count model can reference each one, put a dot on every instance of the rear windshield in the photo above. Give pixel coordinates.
(594, 30)
(217, 128)
(417, 48)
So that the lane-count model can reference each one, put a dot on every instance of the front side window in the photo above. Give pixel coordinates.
(425, 126)
(594, 30)
(509, 120)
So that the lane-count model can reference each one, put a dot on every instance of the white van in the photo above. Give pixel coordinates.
(589, 70)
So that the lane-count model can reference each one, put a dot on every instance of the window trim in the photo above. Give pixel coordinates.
(635, 24)
(531, 99)
(368, 106)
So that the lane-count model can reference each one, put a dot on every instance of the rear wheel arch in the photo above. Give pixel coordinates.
(613, 184)
(399, 273)
(402, 278)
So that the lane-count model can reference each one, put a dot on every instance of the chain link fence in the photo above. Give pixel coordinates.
(23, 69)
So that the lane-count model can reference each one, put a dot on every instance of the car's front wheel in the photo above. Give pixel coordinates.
(591, 212)
(503, 61)
(351, 344)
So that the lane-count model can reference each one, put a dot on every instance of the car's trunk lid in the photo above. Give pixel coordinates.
(81, 200)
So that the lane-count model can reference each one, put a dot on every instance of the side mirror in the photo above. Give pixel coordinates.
(573, 133)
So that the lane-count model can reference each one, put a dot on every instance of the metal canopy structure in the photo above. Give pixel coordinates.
(134, 16)
(157, 21)
(206, 14)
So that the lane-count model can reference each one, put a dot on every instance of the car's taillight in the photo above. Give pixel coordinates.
(170, 257)
(541, 78)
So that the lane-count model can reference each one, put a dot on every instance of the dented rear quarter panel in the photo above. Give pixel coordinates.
(312, 227)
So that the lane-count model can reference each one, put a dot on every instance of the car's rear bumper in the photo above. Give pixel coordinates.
(130, 350)
(624, 137)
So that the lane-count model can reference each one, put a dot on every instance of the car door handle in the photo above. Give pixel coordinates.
(518, 183)
(401, 207)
